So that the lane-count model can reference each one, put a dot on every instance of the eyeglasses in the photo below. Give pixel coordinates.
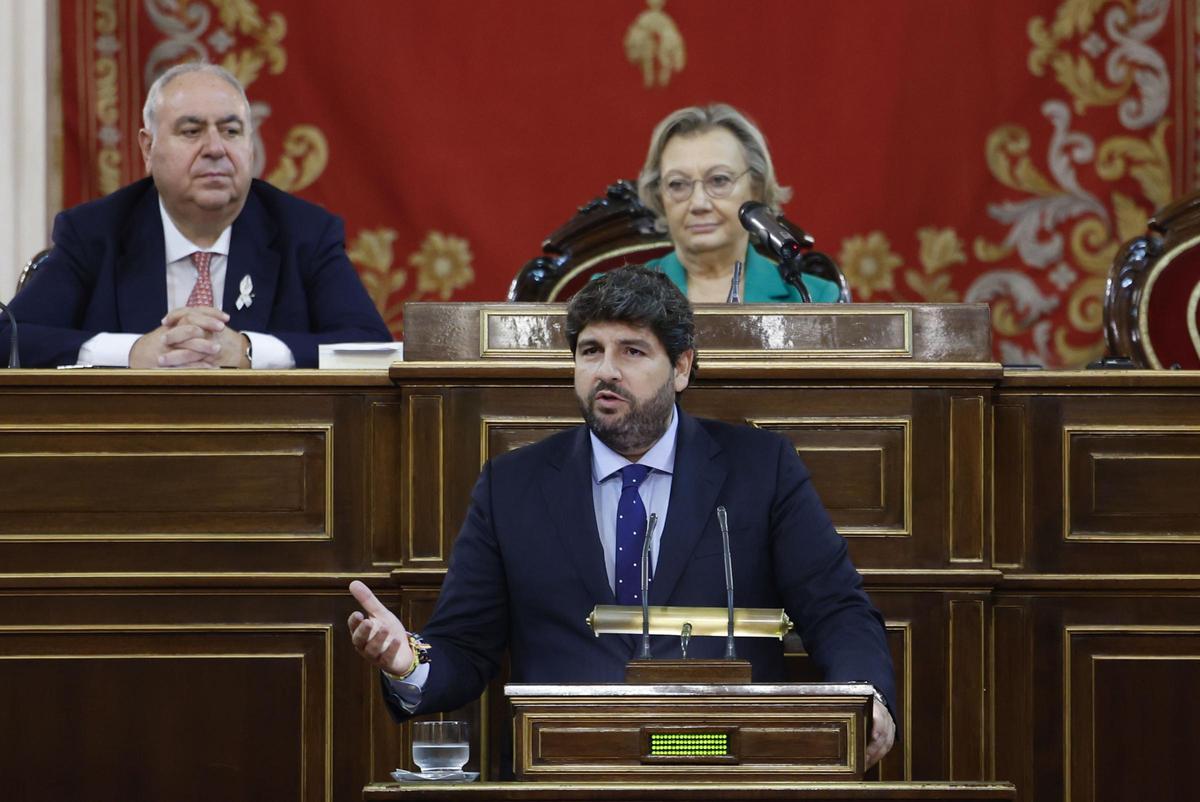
(716, 185)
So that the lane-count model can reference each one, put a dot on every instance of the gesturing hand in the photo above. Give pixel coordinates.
(378, 636)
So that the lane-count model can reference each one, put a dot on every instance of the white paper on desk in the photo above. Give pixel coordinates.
(358, 356)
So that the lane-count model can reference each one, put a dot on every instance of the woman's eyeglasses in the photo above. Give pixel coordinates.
(716, 185)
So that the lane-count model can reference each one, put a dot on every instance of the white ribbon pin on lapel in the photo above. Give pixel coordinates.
(246, 293)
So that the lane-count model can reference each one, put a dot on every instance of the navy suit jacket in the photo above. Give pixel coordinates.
(107, 273)
(527, 568)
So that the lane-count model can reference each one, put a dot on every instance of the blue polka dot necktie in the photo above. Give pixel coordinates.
(631, 534)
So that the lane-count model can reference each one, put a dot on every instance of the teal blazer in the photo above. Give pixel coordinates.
(764, 285)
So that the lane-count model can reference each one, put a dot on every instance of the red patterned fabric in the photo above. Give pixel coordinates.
(941, 150)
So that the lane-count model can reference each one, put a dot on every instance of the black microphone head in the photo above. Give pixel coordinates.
(749, 210)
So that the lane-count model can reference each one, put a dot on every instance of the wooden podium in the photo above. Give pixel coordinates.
(693, 733)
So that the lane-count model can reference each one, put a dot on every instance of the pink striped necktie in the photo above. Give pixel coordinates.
(202, 293)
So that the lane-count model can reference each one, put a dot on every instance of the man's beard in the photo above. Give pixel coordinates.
(643, 423)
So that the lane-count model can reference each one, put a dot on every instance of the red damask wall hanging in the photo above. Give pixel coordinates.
(941, 150)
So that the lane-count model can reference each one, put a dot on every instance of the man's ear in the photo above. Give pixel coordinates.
(145, 141)
(683, 369)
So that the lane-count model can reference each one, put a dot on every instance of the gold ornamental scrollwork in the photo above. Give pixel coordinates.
(372, 253)
(108, 107)
(305, 154)
(653, 43)
(1066, 228)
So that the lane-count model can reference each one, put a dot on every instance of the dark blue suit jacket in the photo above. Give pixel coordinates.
(528, 567)
(107, 273)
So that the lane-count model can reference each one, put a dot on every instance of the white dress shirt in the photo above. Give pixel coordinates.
(111, 349)
(655, 492)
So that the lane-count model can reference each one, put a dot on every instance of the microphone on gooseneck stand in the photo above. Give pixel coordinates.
(723, 520)
(764, 224)
(645, 653)
(14, 359)
(781, 240)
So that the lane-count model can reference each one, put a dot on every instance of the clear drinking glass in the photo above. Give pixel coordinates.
(439, 747)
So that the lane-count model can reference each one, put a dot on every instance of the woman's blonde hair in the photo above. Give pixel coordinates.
(697, 120)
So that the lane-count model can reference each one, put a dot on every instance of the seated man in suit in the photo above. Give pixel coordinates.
(557, 527)
(197, 266)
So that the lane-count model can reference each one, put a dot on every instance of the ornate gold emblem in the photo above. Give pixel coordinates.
(939, 248)
(443, 264)
(371, 252)
(654, 43)
(868, 263)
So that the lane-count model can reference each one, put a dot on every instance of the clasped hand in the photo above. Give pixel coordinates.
(191, 337)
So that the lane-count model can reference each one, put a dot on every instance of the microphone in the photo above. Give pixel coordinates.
(735, 292)
(773, 234)
(779, 237)
(14, 358)
(645, 653)
(723, 520)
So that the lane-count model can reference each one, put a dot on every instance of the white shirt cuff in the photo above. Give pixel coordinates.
(270, 352)
(409, 689)
(107, 350)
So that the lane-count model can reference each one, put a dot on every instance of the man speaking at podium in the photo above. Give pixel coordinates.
(556, 528)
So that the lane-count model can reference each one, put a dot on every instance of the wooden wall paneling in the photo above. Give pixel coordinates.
(1129, 700)
(969, 459)
(917, 632)
(1109, 679)
(228, 693)
(181, 481)
(966, 691)
(1010, 477)
(424, 476)
(896, 437)
(1110, 477)
(384, 469)
(1011, 698)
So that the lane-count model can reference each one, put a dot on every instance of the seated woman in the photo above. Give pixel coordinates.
(716, 147)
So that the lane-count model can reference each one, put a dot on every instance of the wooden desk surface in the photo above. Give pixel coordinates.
(581, 792)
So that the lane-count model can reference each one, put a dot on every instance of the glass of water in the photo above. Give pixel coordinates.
(439, 747)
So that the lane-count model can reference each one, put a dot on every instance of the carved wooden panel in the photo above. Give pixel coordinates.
(227, 694)
(1092, 691)
(861, 468)
(1106, 485)
(1128, 483)
(967, 738)
(425, 471)
(968, 455)
(879, 458)
(1129, 702)
(178, 482)
(386, 445)
(499, 435)
(1010, 475)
